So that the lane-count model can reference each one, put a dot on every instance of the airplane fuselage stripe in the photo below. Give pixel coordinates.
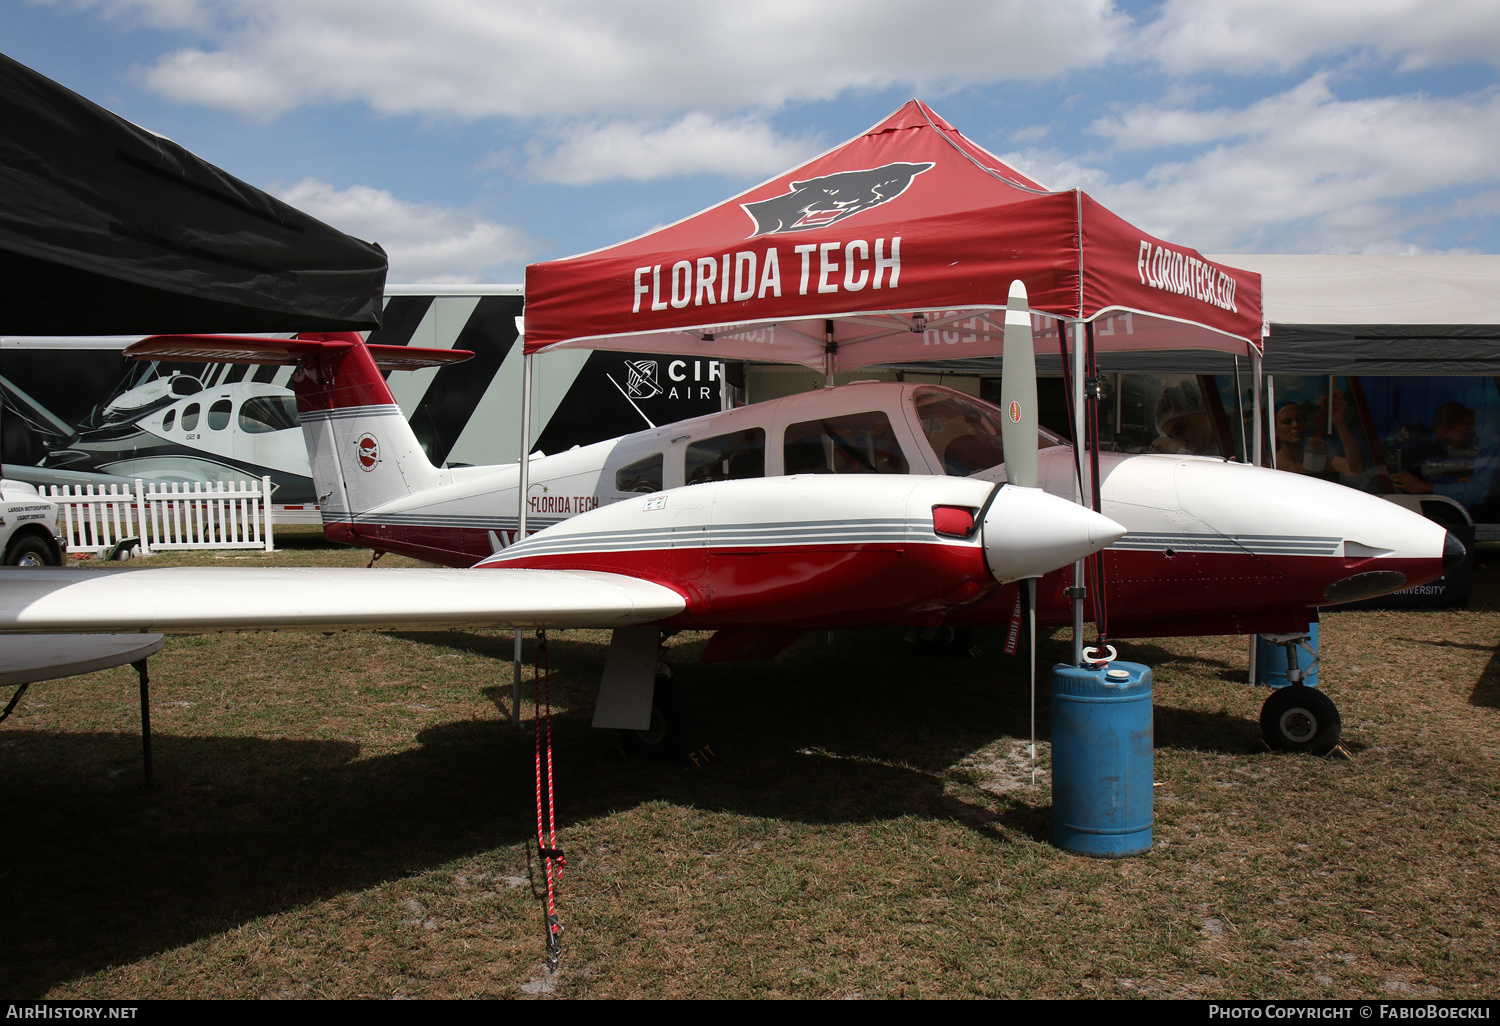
(734, 536)
(1258, 544)
(350, 412)
(823, 532)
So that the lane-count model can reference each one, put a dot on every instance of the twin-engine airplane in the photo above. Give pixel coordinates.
(734, 553)
(1211, 547)
(867, 504)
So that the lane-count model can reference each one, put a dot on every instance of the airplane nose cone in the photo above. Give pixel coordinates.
(1028, 533)
(1453, 553)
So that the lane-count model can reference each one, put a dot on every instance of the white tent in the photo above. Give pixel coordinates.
(1380, 315)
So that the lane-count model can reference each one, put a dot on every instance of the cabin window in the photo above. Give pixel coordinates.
(857, 443)
(269, 413)
(964, 435)
(190, 416)
(218, 415)
(730, 457)
(168, 420)
(641, 476)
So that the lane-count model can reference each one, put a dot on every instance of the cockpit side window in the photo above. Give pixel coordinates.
(964, 435)
(268, 413)
(856, 443)
(218, 415)
(739, 454)
(641, 476)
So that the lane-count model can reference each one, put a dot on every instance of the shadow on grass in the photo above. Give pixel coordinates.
(1445, 643)
(1195, 731)
(99, 872)
(304, 541)
(1487, 688)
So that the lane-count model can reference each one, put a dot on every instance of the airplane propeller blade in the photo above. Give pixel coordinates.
(1018, 429)
(1018, 433)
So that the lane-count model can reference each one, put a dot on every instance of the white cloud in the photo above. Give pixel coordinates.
(655, 58)
(1242, 36)
(1151, 125)
(602, 58)
(193, 15)
(1030, 134)
(1306, 170)
(426, 242)
(1056, 170)
(693, 144)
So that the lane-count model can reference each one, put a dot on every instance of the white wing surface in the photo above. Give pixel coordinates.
(193, 600)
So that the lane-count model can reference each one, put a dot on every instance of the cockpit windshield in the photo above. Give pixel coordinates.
(964, 432)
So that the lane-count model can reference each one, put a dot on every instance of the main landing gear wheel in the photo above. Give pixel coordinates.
(1298, 718)
(673, 733)
(944, 642)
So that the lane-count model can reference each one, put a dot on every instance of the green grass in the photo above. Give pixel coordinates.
(347, 816)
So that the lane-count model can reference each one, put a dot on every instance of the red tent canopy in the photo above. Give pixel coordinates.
(897, 246)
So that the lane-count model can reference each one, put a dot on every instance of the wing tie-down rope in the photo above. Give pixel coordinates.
(546, 832)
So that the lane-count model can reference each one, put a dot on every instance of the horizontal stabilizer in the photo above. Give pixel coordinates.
(412, 358)
(197, 600)
(282, 351)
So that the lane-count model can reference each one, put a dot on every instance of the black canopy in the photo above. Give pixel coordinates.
(106, 228)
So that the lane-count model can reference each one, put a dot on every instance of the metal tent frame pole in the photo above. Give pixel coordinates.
(523, 486)
(1085, 497)
(1257, 372)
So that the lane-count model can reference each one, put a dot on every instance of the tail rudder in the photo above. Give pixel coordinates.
(361, 449)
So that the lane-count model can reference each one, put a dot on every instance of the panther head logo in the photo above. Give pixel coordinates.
(820, 202)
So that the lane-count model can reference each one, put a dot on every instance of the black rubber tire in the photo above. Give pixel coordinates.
(944, 642)
(673, 734)
(1298, 718)
(29, 551)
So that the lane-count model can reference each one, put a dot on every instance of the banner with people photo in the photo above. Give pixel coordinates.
(1430, 444)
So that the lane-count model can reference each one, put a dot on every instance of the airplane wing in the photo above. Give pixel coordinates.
(284, 351)
(196, 600)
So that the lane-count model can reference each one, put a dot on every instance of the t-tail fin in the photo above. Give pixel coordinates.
(362, 451)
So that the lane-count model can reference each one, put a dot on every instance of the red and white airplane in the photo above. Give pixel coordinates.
(779, 554)
(866, 504)
(1211, 547)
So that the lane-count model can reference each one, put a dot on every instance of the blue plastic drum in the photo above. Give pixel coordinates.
(1270, 662)
(1102, 760)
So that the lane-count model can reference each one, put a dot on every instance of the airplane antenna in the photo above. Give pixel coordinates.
(631, 401)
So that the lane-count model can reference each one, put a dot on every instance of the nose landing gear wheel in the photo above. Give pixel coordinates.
(1298, 718)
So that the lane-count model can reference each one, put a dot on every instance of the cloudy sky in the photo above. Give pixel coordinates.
(470, 137)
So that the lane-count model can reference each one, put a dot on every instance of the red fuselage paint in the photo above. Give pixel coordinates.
(805, 587)
(1151, 594)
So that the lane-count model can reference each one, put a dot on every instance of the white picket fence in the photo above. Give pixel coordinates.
(164, 516)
